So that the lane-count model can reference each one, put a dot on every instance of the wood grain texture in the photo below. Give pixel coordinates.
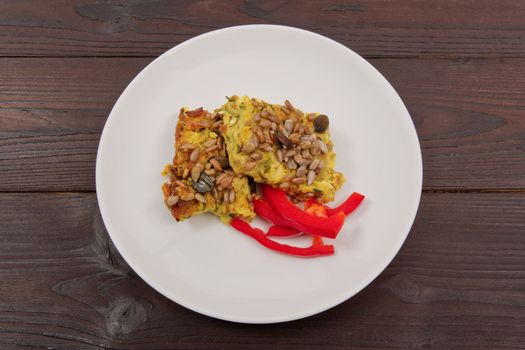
(469, 114)
(469, 28)
(455, 284)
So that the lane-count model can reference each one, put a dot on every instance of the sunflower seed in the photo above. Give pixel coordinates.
(225, 197)
(266, 147)
(285, 110)
(214, 193)
(202, 123)
(226, 182)
(180, 183)
(279, 155)
(200, 198)
(248, 148)
(315, 150)
(291, 164)
(220, 143)
(314, 164)
(259, 134)
(188, 196)
(265, 123)
(295, 138)
(290, 153)
(271, 112)
(210, 172)
(301, 171)
(196, 171)
(210, 143)
(265, 114)
(211, 149)
(288, 125)
(305, 144)
(323, 147)
(216, 164)
(308, 138)
(289, 105)
(267, 137)
(187, 146)
(194, 155)
(256, 156)
(306, 154)
(310, 116)
(231, 196)
(298, 159)
(299, 180)
(172, 200)
(284, 185)
(311, 177)
(250, 165)
(219, 178)
(296, 127)
(185, 173)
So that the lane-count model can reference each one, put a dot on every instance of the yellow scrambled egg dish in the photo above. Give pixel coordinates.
(239, 115)
(218, 154)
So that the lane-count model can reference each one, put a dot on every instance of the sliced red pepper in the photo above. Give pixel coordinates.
(265, 211)
(348, 206)
(299, 219)
(317, 241)
(283, 231)
(257, 234)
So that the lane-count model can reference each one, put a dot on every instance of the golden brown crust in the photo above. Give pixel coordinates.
(192, 187)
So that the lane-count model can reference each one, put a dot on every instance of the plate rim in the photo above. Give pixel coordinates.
(254, 320)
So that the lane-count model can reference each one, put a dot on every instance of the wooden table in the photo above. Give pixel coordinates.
(458, 282)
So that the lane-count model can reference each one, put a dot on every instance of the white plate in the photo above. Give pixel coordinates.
(205, 265)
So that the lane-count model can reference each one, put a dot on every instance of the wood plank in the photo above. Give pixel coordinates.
(469, 115)
(458, 282)
(469, 28)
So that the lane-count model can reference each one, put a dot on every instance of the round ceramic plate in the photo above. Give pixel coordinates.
(207, 266)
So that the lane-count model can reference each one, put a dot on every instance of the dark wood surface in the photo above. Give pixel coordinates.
(457, 283)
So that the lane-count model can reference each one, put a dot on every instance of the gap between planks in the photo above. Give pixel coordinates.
(432, 190)
(371, 57)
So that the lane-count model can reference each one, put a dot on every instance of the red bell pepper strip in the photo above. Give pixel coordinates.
(257, 234)
(317, 241)
(299, 219)
(347, 207)
(265, 211)
(283, 231)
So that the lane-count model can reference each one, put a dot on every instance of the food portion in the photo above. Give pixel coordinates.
(281, 146)
(200, 178)
(250, 157)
